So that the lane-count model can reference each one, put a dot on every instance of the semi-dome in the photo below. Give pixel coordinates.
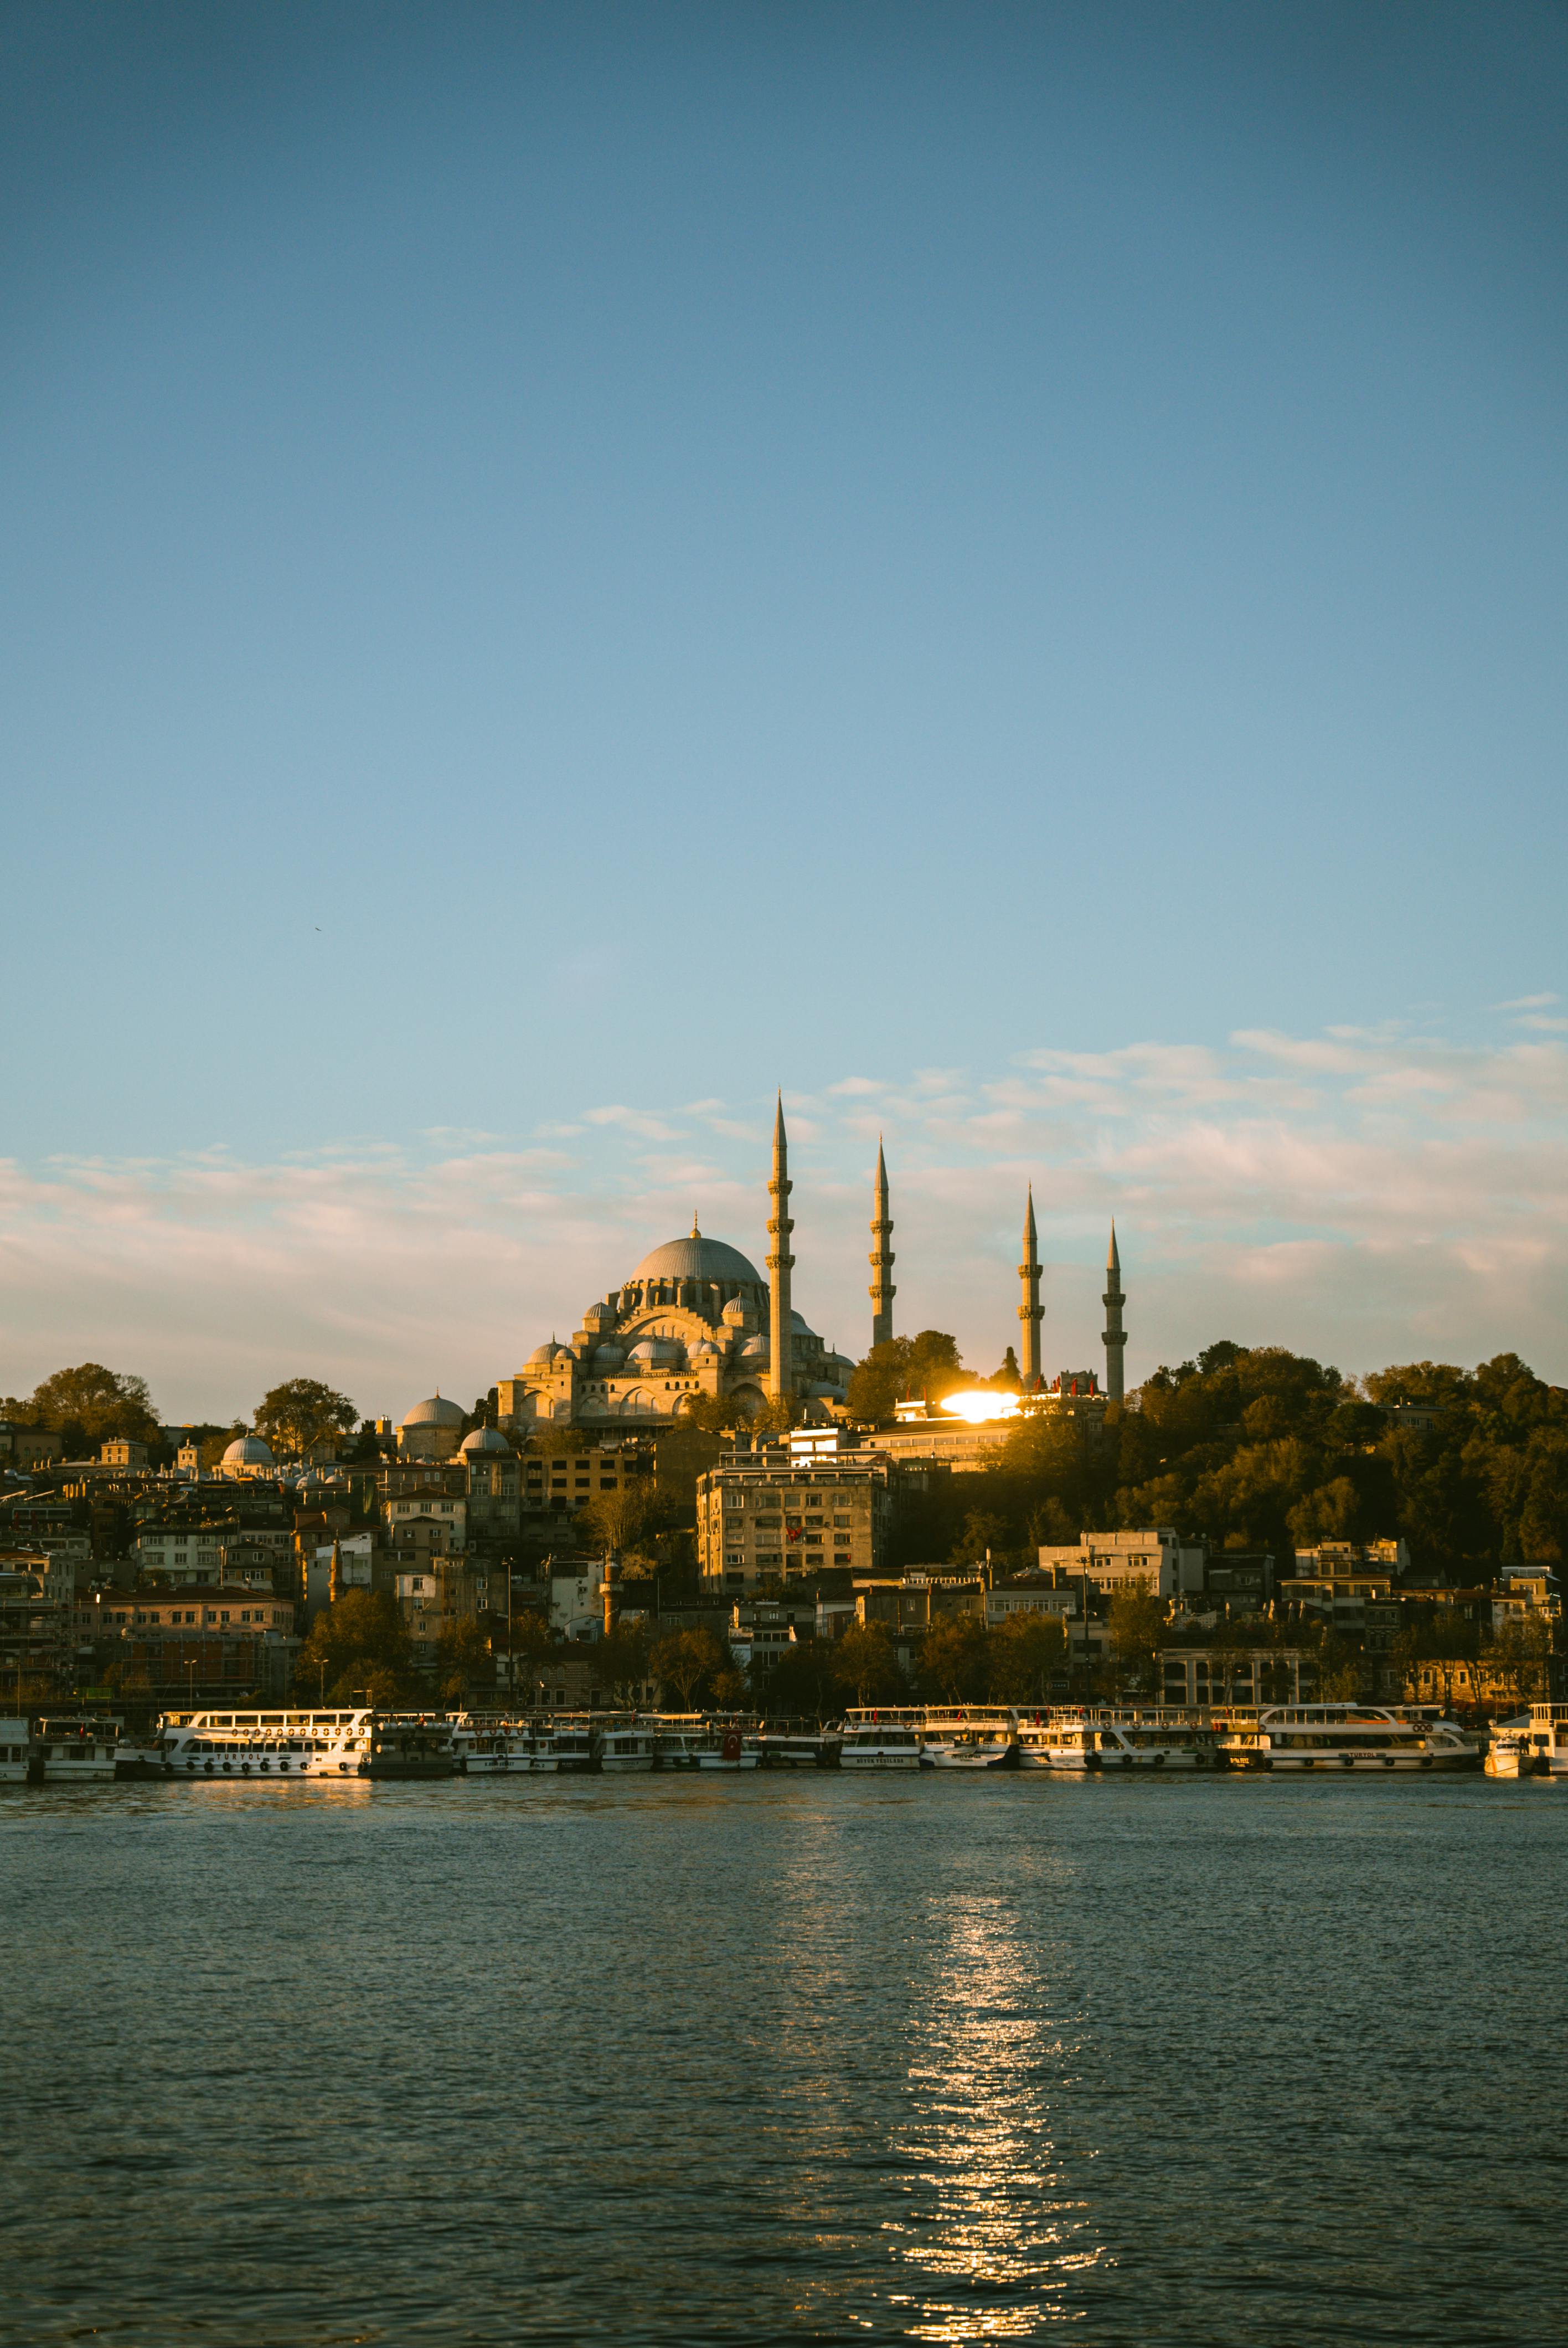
(696, 1258)
(608, 1357)
(484, 1438)
(247, 1451)
(655, 1349)
(755, 1349)
(437, 1411)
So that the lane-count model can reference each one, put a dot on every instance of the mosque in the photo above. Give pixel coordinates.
(697, 1318)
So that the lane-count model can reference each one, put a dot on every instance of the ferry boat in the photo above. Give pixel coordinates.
(626, 1745)
(289, 1746)
(729, 1748)
(498, 1748)
(1548, 1734)
(785, 1745)
(1511, 1754)
(16, 1740)
(678, 1738)
(877, 1745)
(1111, 1736)
(574, 1747)
(968, 1737)
(75, 1752)
(1335, 1737)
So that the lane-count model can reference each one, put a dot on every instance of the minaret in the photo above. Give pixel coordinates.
(781, 1264)
(1115, 1335)
(1031, 1312)
(882, 1290)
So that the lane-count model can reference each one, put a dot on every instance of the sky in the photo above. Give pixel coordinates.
(999, 569)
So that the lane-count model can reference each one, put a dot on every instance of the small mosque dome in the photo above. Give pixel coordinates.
(484, 1438)
(608, 1357)
(739, 1315)
(247, 1451)
(543, 1356)
(755, 1349)
(597, 1315)
(435, 1411)
(703, 1345)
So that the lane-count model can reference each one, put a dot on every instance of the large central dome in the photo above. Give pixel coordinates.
(697, 1258)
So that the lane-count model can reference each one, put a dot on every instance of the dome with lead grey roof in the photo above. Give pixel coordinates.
(484, 1438)
(249, 1451)
(543, 1356)
(696, 1258)
(435, 1412)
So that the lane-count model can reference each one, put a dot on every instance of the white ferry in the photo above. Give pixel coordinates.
(498, 1748)
(573, 1743)
(74, 1752)
(16, 1741)
(626, 1746)
(289, 1746)
(787, 1745)
(878, 1744)
(678, 1738)
(729, 1748)
(1105, 1736)
(1510, 1754)
(1336, 1737)
(1548, 1734)
(968, 1737)
(272, 1745)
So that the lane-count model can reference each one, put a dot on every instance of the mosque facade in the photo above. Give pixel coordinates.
(696, 1318)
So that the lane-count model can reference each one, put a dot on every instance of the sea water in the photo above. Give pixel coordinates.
(787, 2057)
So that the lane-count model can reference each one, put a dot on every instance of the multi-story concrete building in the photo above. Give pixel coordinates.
(764, 1517)
(1200, 1675)
(1155, 1558)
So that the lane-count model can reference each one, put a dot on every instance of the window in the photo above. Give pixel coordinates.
(841, 1521)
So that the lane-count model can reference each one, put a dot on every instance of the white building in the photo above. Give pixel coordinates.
(1154, 1560)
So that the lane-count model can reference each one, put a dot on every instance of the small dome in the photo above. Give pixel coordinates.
(655, 1349)
(755, 1349)
(608, 1357)
(703, 1345)
(738, 1314)
(543, 1356)
(597, 1315)
(435, 1412)
(484, 1438)
(247, 1451)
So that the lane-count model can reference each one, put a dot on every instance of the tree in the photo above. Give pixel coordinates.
(360, 1640)
(622, 1659)
(983, 1531)
(713, 1414)
(614, 1519)
(1009, 1379)
(89, 1406)
(729, 1691)
(684, 1659)
(1137, 1624)
(866, 1667)
(804, 1681)
(927, 1365)
(1022, 1654)
(462, 1656)
(301, 1412)
(954, 1660)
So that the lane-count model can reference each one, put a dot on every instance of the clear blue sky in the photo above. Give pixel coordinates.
(564, 556)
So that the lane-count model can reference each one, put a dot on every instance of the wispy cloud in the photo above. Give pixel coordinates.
(1367, 1195)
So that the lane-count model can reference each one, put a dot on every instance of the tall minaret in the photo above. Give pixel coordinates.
(781, 1264)
(1031, 1312)
(882, 1290)
(1115, 1335)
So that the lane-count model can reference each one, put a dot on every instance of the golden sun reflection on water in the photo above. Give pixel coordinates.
(994, 2232)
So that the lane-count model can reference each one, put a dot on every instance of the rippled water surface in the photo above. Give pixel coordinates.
(785, 2058)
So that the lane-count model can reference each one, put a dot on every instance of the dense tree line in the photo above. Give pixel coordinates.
(1259, 1448)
